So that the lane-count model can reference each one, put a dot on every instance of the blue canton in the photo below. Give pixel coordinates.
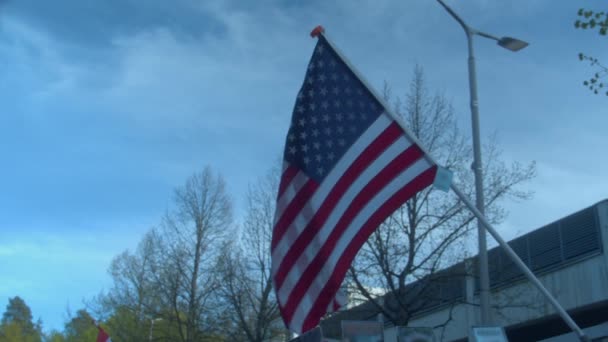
(332, 110)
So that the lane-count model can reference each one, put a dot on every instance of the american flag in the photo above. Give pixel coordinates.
(102, 336)
(347, 166)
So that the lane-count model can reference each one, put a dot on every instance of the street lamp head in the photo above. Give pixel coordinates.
(512, 43)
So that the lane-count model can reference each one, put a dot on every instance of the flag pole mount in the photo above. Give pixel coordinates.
(317, 31)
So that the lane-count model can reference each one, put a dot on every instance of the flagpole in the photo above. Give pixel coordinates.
(319, 30)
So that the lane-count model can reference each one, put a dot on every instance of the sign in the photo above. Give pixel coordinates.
(488, 334)
(314, 335)
(362, 331)
(415, 335)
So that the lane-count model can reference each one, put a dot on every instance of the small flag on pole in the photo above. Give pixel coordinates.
(102, 336)
(348, 165)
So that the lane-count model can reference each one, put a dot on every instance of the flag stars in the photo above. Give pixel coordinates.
(331, 110)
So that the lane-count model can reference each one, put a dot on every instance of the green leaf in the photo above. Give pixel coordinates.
(581, 11)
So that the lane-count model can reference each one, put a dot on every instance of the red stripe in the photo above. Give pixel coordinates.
(384, 177)
(376, 148)
(286, 178)
(420, 182)
(292, 210)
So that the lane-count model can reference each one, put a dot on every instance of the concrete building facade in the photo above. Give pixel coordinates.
(568, 256)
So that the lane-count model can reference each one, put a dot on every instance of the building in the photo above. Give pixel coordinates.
(568, 256)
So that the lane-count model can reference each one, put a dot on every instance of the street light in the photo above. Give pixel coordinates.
(511, 44)
(152, 320)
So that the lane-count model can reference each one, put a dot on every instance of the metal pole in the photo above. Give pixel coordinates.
(151, 326)
(522, 266)
(484, 277)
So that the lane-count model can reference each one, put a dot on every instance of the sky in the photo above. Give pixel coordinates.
(107, 106)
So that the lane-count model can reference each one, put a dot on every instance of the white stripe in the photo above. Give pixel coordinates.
(330, 180)
(321, 280)
(290, 192)
(400, 145)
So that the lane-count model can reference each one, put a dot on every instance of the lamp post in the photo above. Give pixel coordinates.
(152, 320)
(509, 44)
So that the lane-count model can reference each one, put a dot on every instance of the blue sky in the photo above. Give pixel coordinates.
(106, 106)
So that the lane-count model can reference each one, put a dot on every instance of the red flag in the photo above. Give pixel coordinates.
(347, 166)
(102, 336)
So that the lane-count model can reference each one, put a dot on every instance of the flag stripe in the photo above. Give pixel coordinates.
(279, 251)
(290, 192)
(376, 148)
(294, 207)
(405, 177)
(380, 163)
(420, 182)
(288, 175)
(403, 161)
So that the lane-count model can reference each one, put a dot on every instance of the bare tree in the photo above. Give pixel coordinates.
(430, 231)
(193, 232)
(245, 266)
(172, 277)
